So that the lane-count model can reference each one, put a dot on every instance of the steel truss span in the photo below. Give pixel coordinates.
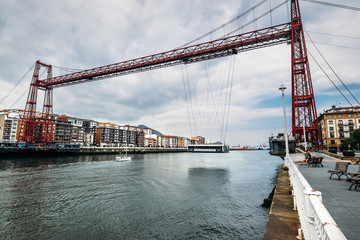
(195, 53)
(303, 102)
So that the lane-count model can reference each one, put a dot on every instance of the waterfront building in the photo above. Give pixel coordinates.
(150, 140)
(73, 130)
(77, 130)
(62, 130)
(337, 124)
(198, 140)
(9, 125)
(90, 131)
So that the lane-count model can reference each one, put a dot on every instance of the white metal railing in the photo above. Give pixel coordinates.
(316, 222)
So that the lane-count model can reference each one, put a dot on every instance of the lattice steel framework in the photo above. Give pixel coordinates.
(303, 103)
(38, 127)
(303, 100)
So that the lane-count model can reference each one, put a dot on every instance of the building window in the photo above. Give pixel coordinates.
(341, 135)
(351, 128)
(349, 115)
(340, 122)
(331, 122)
(339, 115)
(331, 135)
(351, 122)
(331, 128)
(332, 141)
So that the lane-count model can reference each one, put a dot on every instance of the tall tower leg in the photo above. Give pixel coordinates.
(37, 129)
(27, 128)
(303, 101)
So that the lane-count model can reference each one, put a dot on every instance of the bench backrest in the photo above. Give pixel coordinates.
(341, 166)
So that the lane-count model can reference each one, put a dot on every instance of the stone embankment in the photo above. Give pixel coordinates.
(283, 222)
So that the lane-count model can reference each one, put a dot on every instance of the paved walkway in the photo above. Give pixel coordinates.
(342, 204)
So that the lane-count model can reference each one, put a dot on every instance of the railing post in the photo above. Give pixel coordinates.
(309, 208)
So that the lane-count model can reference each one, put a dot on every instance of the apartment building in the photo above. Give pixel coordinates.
(9, 126)
(63, 130)
(337, 124)
(197, 140)
(73, 130)
(89, 131)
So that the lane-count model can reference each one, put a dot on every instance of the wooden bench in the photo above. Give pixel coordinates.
(351, 174)
(355, 182)
(315, 162)
(340, 169)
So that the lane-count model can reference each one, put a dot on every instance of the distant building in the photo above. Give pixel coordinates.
(337, 124)
(197, 140)
(9, 126)
(63, 130)
(73, 130)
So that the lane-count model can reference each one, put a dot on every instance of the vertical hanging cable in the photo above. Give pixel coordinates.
(186, 98)
(271, 21)
(229, 97)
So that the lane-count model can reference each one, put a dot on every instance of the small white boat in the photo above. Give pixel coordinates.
(123, 158)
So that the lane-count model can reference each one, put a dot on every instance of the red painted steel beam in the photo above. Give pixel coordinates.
(195, 53)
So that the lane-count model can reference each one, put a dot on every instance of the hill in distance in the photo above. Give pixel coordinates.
(154, 131)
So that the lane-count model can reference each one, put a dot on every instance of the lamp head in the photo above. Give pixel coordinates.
(282, 87)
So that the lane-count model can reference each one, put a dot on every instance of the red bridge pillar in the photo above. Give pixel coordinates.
(36, 127)
(303, 101)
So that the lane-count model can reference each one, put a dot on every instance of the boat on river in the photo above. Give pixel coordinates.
(120, 158)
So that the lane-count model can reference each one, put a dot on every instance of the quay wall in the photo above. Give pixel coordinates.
(15, 152)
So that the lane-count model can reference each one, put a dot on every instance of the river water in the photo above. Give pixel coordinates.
(154, 196)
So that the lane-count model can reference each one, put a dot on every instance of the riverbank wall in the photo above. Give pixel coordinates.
(283, 222)
(18, 152)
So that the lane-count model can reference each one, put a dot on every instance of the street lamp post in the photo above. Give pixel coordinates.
(282, 89)
(304, 136)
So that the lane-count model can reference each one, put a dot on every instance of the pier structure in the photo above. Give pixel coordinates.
(218, 148)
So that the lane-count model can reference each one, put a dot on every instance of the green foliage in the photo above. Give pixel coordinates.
(345, 144)
(356, 135)
(333, 150)
(348, 153)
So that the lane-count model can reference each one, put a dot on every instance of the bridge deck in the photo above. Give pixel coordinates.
(342, 204)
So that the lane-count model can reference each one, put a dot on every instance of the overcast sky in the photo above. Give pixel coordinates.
(85, 34)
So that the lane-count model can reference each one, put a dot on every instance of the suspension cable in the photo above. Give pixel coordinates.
(335, 35)
(329, 77)
(17, 83)
(334, 5)
(229, 98)
(255, 19)
(225, 24)
(331, 68)
(186, 98)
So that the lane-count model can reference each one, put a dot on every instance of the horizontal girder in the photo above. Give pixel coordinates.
(195, 53)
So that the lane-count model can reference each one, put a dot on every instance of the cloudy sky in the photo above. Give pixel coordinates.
(183, 100)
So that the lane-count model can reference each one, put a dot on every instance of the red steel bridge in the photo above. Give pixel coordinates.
(39, 129)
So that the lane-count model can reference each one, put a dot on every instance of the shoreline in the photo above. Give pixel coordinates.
(10, 152)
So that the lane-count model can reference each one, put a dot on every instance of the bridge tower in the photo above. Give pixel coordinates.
(38, 127)
(303, 101)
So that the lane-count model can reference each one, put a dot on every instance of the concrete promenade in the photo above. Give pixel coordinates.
(342, 204)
